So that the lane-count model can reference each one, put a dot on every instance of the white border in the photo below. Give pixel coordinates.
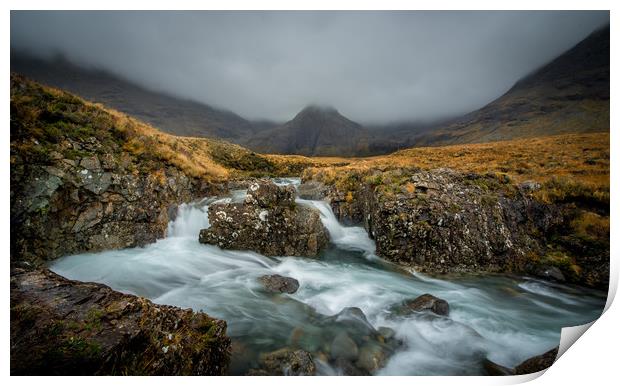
(593, 360)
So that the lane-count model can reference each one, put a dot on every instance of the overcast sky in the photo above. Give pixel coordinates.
(371, 66)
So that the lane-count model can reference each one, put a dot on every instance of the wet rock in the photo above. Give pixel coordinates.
(386, 332)
(347, 368)
(372, 357)
(355, 318)
(343, 347)
(551, 273)
(426, 302)
(493, 368)
(285, 361)
(267, 222)
(65, 327)
(278, 283)
(537, 363)
(308, 338)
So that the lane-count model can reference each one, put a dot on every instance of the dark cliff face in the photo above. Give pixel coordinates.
(315, 131)
(64, 327)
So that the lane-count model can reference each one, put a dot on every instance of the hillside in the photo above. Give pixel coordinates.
(168, 113)
(314, 131)
(568, 95)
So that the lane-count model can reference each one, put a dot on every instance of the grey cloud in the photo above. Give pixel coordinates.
(372, 66)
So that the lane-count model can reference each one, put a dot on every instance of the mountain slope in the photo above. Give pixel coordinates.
(173, 115)
(314, 131)
(568, 95)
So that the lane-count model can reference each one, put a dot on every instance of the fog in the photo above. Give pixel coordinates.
(373, 67)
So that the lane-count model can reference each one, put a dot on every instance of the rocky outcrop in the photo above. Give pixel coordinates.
(278, 283)
(65, 327)
(445, 221)
(268, 222)
(537, 363)
(532, 365)
(426, 302)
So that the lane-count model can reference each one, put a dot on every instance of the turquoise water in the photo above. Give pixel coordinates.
(506, 319)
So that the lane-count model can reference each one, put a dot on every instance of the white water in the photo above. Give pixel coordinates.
(514, 317)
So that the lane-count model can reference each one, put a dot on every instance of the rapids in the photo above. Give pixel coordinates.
(504, 318)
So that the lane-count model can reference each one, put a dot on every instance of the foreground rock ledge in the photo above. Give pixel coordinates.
(268, 222)
(65, 327)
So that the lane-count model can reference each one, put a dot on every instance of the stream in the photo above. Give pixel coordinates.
(505, 318)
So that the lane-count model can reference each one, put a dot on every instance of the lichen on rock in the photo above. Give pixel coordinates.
(268, 222)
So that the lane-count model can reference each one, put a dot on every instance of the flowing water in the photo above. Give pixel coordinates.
(506, 319)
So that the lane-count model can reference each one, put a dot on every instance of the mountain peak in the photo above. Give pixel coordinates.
(318, 109)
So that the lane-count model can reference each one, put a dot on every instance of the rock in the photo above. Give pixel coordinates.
(537, 363)
(493, 368)
(65, 327)
(386, 332)
(551, 273)
(277, 283)
(308, 338)
(286, 361)
(343, 347)
(91, 163)
(530, 186)
(267, 222)
(347, 368)
(312, 190)
(266, 194)
(355, 318)
(426, 302)
(372, 357)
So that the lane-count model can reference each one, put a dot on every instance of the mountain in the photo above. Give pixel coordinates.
(315, 131)
(171, 114)
(568, 95)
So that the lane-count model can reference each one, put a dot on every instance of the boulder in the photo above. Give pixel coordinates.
(267, 222)
(278, 283)
(65, 327)
(343, 347)
(312, 190)
(537, 363)
(426, 302)
(285, 361)
(372, 357)
(551, 273)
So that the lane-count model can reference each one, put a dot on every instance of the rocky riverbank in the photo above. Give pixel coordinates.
(64, 327)
(446, 221)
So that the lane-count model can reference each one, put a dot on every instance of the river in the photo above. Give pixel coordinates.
(504, 318)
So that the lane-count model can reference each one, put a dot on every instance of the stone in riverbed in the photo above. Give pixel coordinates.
(278, 283)
(285, 361)
(343, 347)
(372, 357)
(426, 302)
(268, 222)
(537, 363)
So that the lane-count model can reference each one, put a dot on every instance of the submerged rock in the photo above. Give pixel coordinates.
(285, 361)
(426, 302)
(267, 222)
(343, 347)
(537, 363)
(65, 327)
(278, 283)
(372, 357)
